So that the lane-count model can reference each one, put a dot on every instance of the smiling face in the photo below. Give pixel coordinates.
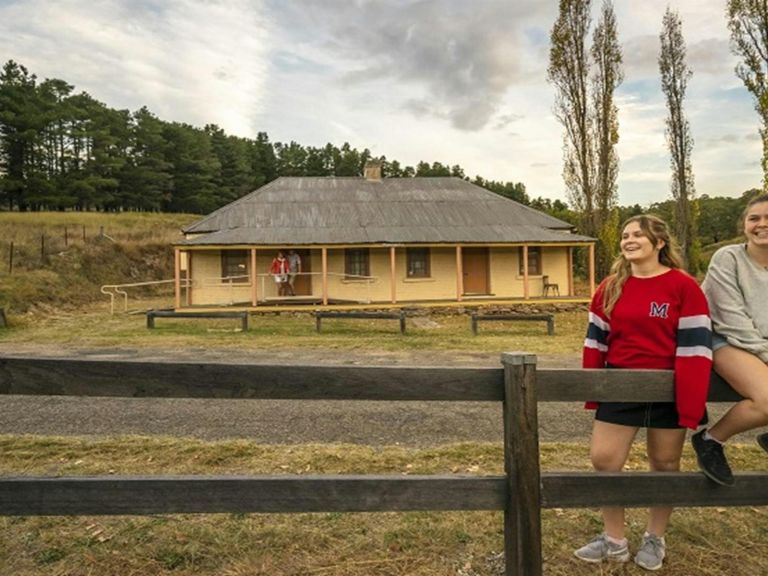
(636, 247)
(756, 225)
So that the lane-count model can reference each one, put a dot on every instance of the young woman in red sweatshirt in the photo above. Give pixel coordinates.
(647, 314)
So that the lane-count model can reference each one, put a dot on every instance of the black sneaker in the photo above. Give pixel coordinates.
(762, 439)
(712, 459)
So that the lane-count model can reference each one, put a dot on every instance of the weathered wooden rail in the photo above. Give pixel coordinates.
(521, 492)
(548, 318)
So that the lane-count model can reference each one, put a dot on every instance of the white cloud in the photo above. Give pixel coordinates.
(188, 61)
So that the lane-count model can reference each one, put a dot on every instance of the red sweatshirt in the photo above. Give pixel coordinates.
(279, 266)
(658, 323)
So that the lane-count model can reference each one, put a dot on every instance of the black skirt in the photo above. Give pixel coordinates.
(642, 414)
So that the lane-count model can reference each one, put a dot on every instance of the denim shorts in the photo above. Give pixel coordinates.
(718, 341)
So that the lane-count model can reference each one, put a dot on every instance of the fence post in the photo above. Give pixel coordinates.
(522, 515)
(10, 260)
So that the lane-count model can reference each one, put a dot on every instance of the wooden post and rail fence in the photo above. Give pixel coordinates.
(522, 492)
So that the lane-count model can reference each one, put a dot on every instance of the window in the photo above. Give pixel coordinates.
(534, 261)
(418, 262)
(234, 265)
(357, 262)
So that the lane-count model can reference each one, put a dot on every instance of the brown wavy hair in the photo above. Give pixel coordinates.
(655, 229)
(759, 199)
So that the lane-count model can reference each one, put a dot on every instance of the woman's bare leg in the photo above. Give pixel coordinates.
(609, 449)
(665, 446)
(748, 375)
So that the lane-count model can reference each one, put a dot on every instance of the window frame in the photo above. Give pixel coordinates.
(412, 254)
(535, 270)
(233, 262)
(351, 261)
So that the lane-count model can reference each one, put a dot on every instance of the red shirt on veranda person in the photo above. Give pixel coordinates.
(279, 266)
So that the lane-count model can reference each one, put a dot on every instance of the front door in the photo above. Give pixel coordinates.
(303, 283)
(475, 268)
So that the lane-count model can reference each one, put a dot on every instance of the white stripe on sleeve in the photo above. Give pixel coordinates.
(599, 322)
(591, 343)
(700, 321)
(688, 351)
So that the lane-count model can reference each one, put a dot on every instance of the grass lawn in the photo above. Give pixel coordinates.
(95, 326)
(705, 541)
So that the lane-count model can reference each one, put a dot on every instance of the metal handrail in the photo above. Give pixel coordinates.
(112, 290)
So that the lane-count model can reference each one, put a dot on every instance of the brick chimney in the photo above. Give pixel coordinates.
(372, 171)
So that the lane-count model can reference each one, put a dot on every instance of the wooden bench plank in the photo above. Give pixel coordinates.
(548, 318)
(152, 314)
(362, 315)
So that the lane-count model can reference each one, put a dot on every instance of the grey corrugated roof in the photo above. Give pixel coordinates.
(356, 211)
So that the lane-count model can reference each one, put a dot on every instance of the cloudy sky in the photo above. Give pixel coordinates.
(455, 81)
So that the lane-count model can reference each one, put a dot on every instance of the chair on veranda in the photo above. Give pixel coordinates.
(550, 286)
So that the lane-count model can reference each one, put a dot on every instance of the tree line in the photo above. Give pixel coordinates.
(61, 150)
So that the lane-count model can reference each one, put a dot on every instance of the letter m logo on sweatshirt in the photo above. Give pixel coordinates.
(659, 310)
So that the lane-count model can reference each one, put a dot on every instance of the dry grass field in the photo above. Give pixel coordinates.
(707, 541)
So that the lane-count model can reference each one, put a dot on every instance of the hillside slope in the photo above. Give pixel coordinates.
(61, 260)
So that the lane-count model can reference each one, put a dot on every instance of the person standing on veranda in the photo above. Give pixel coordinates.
(294, 269)
(648, 314)
(279, 271)
(736, 286)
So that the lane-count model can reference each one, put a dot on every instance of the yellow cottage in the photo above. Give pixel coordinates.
(372, 241)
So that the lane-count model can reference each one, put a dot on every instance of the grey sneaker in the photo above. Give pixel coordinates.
(601, 549)
(651, 553)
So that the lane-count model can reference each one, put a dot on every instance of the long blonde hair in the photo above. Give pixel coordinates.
(655, 229)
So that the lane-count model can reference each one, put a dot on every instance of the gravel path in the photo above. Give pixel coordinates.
(284, 421)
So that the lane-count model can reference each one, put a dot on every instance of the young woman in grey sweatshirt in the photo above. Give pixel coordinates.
(736, 287)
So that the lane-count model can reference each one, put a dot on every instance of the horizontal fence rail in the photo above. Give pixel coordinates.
(281, 493)
(134, 379)
(521, 492)
(117, 495)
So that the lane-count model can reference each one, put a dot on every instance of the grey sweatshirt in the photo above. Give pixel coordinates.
(737, 291)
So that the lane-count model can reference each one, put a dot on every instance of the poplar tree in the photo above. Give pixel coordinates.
(585, 82)
(568, 71)
(674, 81)
(748, 24)
(608, 76)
